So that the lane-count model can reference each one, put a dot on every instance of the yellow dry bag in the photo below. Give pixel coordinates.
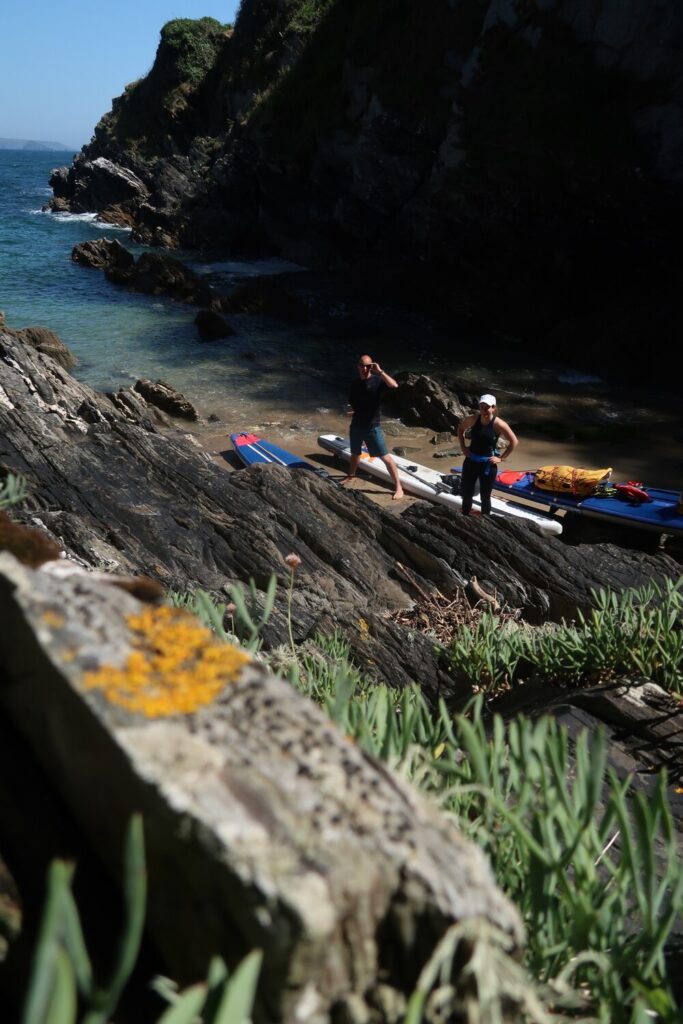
(568, 480)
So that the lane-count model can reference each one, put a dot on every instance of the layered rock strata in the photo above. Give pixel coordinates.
(118, 495)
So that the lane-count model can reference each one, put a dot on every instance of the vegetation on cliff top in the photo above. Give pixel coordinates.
(190, 46)
(167, 102)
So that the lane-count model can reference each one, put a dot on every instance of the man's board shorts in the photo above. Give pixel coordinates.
(372, 437)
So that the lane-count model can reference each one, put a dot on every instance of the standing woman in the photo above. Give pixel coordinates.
(482, 458)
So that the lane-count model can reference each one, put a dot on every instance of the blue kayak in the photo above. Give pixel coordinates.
(648, 508)
(251, 450)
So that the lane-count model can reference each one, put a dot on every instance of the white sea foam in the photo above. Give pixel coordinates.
(84, 218)
(66, 218)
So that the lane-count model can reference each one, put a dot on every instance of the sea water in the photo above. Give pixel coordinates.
(119, 336)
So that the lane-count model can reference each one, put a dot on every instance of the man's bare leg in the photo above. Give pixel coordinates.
(351, 476)
(393, 469)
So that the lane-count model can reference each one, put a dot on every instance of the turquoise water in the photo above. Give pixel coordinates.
(118, 336)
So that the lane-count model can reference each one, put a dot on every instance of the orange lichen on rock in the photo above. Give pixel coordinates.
(175, 667)
(53, 619)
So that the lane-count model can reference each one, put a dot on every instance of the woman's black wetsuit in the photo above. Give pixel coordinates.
(478, 467)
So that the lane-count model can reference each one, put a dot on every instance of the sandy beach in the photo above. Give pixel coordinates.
(638, 437)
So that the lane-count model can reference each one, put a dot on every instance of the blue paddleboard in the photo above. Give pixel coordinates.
(251, 450)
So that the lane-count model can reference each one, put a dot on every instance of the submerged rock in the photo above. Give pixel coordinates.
(212, 326)
(103, 254)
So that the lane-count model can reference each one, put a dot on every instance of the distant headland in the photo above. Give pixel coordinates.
(32, 144)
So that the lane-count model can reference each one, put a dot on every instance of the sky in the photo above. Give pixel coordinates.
(61, 64)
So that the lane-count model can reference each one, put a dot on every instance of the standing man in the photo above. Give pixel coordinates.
(365, 395)
(482, 458)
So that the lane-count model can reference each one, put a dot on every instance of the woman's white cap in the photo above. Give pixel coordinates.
(487, 400)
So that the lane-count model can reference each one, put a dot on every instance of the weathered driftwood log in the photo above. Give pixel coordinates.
(265, 826)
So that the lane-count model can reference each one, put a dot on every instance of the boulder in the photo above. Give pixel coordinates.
(264, 826)
(166, 398)
(109, 183)
(103, 254)
(152, 273)
(211, 325)
(134, 407)
(424, 401)
(61, 182)
(156, 274)
(57, 205)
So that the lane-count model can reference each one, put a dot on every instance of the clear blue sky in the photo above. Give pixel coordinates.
(61, 64)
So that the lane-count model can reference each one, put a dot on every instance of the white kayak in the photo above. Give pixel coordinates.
(428, 483)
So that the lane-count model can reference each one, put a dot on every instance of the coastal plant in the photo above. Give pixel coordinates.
(639, 631)
(194, 45)
(489, 980)
(62, 986)
(246, 613)
(62, 970)
(13, 490)
(307, 15)
(487, 653)
(591, 862)
(574, 847)
(569, 842)
(292, 561)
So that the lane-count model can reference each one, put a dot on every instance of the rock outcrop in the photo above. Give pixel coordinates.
(166, 398)
(103, 254)
(227, 769)
(152, 273)
(211, 325)
(43, 339)
(439, 404)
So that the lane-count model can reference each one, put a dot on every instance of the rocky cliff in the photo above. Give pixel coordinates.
(518, 161)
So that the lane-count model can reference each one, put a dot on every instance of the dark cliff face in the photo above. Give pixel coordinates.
(521, 157)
